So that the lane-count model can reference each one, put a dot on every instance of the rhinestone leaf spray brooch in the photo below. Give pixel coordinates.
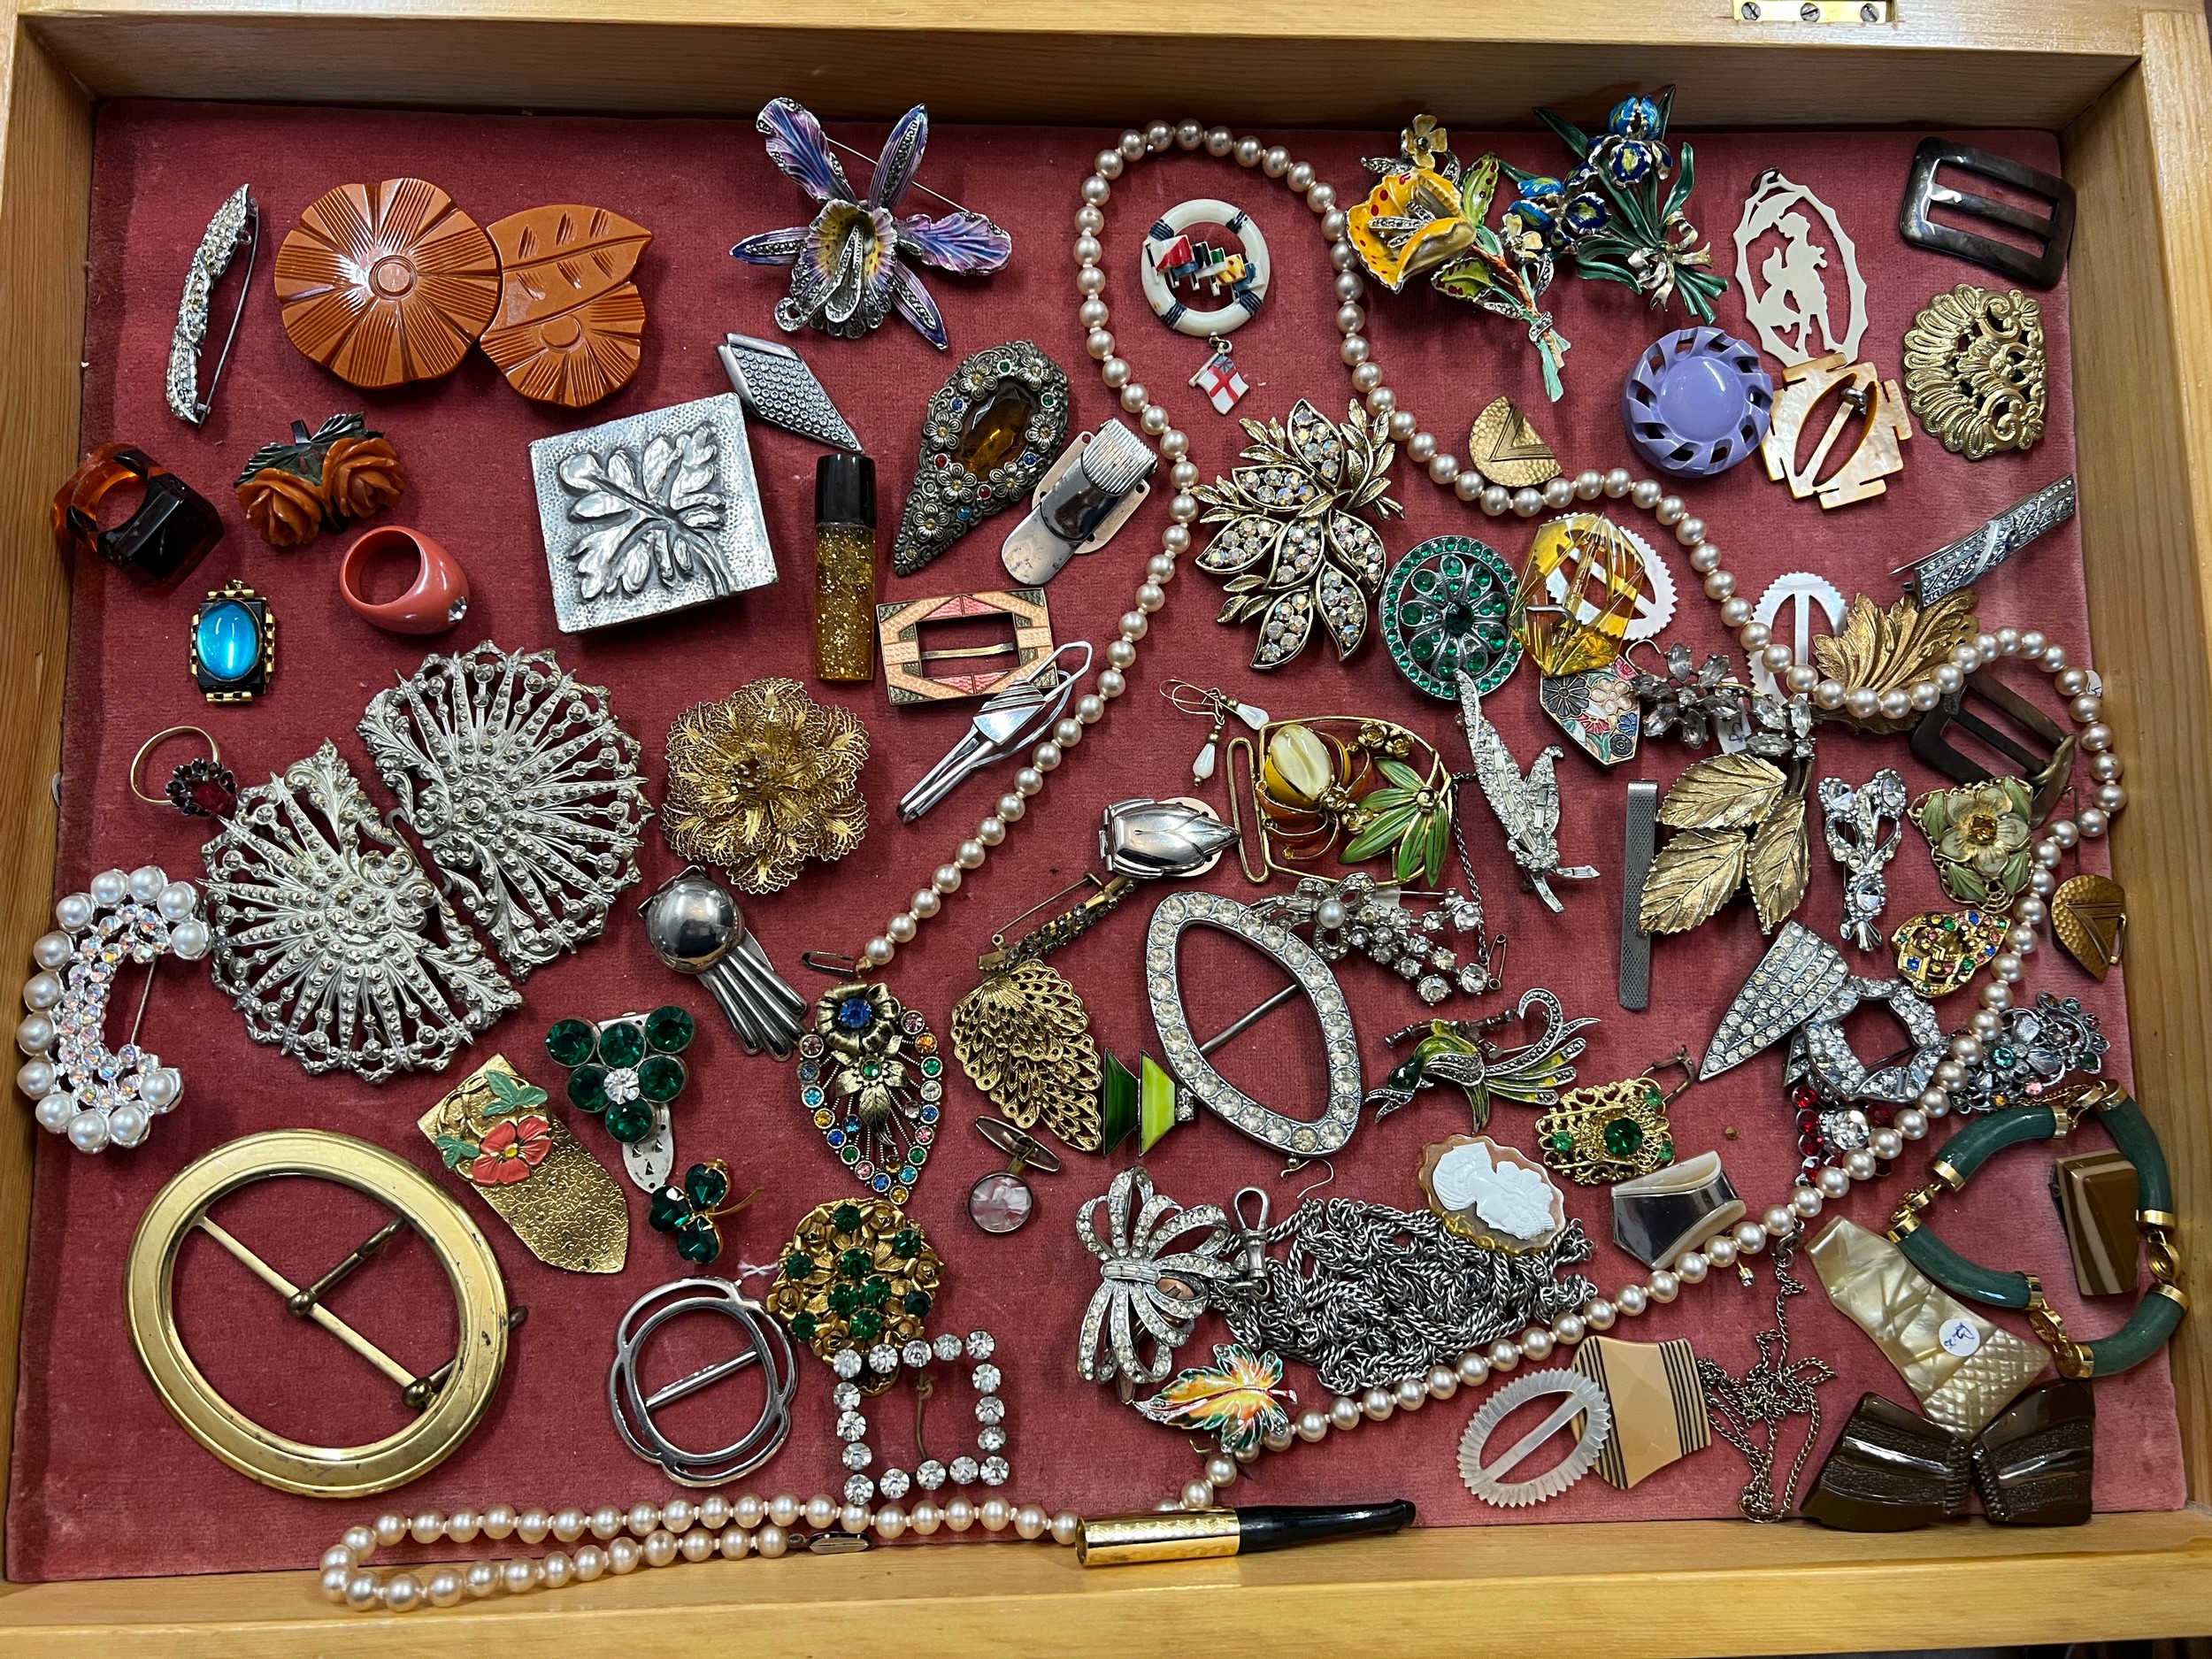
(1292, 542)
(847, 266)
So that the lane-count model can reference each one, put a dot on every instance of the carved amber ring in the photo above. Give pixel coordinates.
(437, 599)
(157, 545)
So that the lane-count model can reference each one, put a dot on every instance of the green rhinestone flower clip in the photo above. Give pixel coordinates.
(691, 1212)
(620, 1069)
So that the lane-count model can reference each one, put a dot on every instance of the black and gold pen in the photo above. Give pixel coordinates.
(1118, 1540)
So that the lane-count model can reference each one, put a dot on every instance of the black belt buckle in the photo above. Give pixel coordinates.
(1922, 191)
(2047, 767)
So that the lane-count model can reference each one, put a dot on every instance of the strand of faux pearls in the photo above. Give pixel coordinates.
(645, 1534)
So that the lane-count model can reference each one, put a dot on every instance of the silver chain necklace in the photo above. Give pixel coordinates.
(1368, 1295)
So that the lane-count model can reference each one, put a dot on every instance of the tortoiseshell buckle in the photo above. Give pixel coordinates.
(1922, 191)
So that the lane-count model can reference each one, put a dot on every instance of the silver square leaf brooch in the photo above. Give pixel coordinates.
(650, 514)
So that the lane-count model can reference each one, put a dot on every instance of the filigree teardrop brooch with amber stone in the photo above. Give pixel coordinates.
(988, 437)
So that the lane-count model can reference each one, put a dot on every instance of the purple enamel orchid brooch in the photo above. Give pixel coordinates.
(848, 268)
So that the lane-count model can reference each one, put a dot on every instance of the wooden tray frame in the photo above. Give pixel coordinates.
(2126, 83)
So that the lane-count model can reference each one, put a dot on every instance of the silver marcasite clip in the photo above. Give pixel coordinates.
(1970, 558)
(775, 385)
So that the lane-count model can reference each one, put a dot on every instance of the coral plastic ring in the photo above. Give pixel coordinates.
(437, 599)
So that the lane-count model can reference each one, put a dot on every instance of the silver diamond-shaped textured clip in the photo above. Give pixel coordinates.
(1526, 806)
(776, 386)
(1851, 820)
(1798, 976)
(1967, 560)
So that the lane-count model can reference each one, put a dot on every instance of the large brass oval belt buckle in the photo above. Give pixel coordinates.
(451, 1399)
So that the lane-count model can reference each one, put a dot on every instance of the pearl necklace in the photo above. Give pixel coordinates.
(645, 1534)
(1725, 1249)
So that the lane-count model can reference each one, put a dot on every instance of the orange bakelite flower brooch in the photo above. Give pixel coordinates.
(386, 283)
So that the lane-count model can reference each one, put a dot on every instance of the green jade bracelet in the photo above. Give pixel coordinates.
(2155, 1318)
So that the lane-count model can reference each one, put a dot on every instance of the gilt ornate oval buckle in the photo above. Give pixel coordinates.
(451, 1399)
(1187, 1056)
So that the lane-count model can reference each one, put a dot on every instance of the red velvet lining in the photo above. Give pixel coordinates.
(96, 1457)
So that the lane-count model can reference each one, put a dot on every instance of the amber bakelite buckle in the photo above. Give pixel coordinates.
(169, 532)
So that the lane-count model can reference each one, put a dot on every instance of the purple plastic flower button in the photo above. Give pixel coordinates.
(1697, 403)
